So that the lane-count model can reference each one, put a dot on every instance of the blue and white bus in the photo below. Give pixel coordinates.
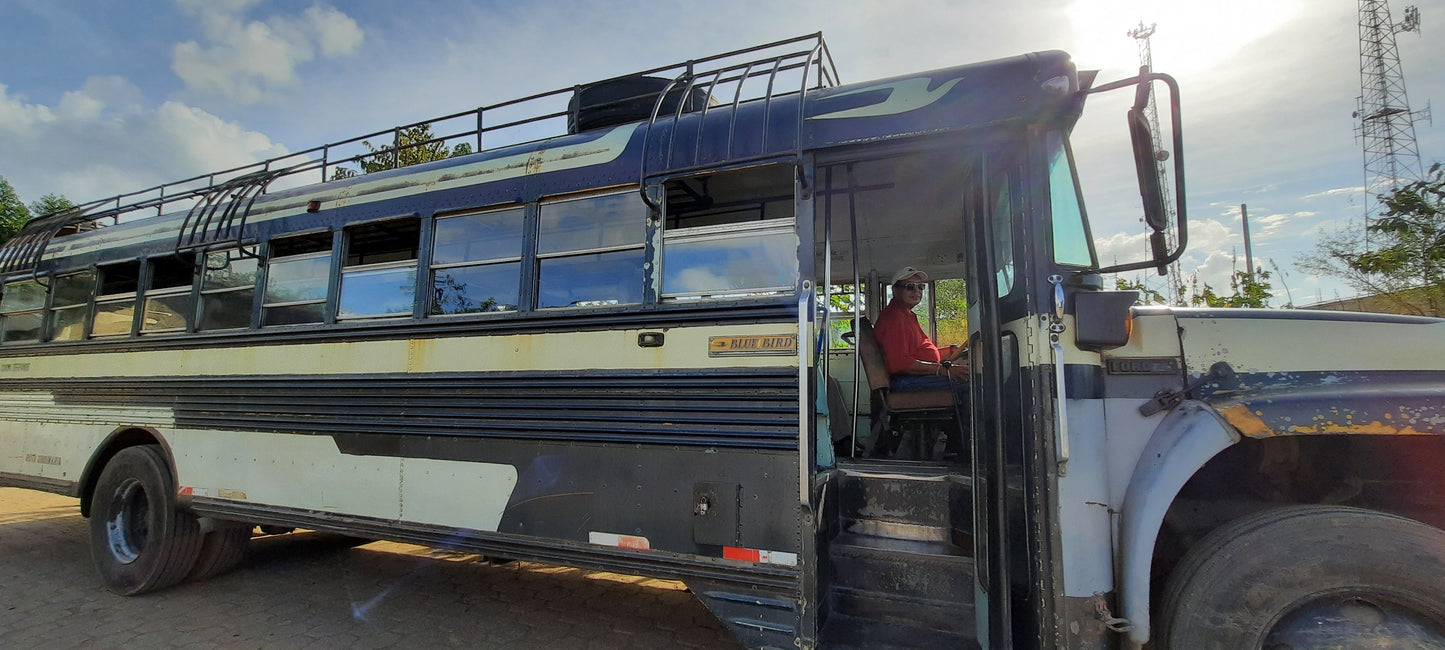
(617, 347)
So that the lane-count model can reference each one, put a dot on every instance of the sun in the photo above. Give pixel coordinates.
(1190, 36)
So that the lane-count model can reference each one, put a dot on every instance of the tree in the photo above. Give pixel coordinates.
(411, 151)
(1400, 257)
(51, 204)
(1147, 296)
(13, 213)
(1246, 290)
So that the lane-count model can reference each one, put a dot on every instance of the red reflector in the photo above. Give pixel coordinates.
(735, 553)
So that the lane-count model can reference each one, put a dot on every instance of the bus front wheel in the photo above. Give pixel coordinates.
(139, 539)
(1303, 576)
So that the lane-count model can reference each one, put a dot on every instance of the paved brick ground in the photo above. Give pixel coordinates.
(305, 591)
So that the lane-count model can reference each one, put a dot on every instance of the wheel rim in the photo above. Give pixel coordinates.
(1356, 620)
(129, 523)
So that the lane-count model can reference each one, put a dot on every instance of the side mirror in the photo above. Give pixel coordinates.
(1151, 188)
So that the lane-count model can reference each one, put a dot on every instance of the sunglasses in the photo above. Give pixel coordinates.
(910, 286)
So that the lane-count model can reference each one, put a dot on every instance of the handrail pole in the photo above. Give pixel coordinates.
(768, 103)
(396, 148)
(677, 116)
(702, 119)
(737, 98)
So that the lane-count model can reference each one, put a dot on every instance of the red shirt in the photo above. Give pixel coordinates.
(902, 339)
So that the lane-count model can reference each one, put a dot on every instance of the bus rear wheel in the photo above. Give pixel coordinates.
(139, 539)
(1305, 575)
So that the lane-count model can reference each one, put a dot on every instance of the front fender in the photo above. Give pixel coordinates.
(1183, 442)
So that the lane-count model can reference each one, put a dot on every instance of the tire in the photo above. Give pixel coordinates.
(139, 540)
(221, 551)
(1286, 574)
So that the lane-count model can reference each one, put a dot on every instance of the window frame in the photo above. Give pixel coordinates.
(330, 280)
(538, 257)
(525, 212)
(151, 291)
(724, 231)
(341, 269)
(202, 293)
(103, 299)
(42, 311)
(52, 310)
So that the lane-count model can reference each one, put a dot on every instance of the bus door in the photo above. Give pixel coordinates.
(1006, 601)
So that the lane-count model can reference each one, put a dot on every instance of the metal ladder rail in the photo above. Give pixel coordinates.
(220, 218)
(688, 80)
(27, 248)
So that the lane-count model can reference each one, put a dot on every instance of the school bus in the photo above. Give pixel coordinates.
(643, 343)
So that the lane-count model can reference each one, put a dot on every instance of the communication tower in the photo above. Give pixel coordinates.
(1175, 292)
(1386, 126)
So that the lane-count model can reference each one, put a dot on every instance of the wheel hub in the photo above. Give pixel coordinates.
(1355, 621)
(129, 523)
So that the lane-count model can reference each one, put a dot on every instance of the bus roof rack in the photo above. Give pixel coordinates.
(219, 201)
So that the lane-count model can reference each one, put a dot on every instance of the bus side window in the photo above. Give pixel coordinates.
(70, 306)
(297, 278)
(115, 306)
(476, 262)
(730, 234)
(378, 278)
(168, 300)
(589, 250)
(228, 291)
(23, 310)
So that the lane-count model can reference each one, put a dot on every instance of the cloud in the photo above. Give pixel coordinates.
(244, 61)
(1271, 225)
(100, 140)
(1338, 191)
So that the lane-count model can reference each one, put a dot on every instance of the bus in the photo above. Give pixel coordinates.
(629, 327)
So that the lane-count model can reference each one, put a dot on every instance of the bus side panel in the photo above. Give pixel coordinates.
(46, 443)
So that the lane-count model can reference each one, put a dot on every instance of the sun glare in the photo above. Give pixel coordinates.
(1190, 36)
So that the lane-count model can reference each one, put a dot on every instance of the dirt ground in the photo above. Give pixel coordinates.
(304, 590)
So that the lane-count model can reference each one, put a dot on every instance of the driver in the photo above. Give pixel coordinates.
(913, 361)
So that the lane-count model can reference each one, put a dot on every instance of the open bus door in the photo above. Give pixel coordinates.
(947, 537)
(985, 194)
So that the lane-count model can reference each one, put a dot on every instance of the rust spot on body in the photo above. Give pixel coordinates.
(1373, 428)
(1248, 422)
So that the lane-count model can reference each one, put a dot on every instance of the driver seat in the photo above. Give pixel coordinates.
(913, 409)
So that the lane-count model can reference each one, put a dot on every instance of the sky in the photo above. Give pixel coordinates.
(101, 97)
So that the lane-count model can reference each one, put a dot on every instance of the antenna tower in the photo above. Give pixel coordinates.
(1387, 125)
(1141, 34)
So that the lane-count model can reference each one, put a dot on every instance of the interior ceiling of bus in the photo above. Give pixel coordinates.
(907, 210)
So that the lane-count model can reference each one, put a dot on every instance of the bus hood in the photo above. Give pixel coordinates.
(1303, 372)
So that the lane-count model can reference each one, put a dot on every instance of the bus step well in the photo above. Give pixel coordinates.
(900, 565)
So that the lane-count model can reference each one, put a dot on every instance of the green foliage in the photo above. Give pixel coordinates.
(1399, 257)
(13, 213)
(51, 204)
(1247, 290)
(950, 304)
(414, 147)
(1147, 296)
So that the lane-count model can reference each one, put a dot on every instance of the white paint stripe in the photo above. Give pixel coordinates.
(41, 407)
(686, 348)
